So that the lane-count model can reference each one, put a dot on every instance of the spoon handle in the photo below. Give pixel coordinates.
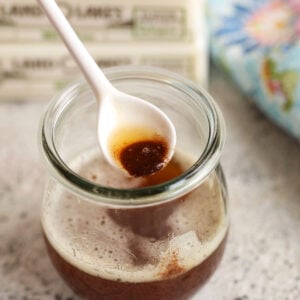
(87, 64)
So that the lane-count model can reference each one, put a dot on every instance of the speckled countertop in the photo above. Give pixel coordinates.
(262, 164)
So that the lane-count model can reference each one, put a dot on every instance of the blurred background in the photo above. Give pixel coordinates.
(245, 52)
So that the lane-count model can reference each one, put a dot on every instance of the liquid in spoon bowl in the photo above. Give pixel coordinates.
(139, 151)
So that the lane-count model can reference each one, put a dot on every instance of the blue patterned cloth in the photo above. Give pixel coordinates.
(257, 42)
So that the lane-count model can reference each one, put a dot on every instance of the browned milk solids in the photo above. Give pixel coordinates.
(164, 252)
(140, 151)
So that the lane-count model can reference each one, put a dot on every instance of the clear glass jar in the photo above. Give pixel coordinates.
(114, 237)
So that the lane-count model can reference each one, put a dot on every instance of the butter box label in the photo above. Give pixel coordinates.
(158, 22)
(101, 20)
(46, 68)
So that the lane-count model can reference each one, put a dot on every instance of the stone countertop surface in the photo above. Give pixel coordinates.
(262, 166)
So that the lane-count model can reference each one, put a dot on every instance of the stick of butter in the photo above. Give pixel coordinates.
(168, 34)
(104, 20)
(43, 69)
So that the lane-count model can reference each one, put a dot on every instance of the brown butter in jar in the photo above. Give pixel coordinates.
(115, 237)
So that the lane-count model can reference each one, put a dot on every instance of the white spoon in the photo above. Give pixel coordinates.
(116, 109)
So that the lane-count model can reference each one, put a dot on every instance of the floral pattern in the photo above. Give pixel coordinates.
(262, 24)
(279, 83)
(258, 44)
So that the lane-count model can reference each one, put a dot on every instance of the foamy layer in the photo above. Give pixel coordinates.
(86, 236)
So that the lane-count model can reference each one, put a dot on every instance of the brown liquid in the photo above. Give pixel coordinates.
(179, 288)
(173, 281)
(144, 157)
(140, 151)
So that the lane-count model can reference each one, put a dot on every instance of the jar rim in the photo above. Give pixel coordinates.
(143, 196)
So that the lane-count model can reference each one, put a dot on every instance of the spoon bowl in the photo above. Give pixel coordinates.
(136, 120)
(117, 111)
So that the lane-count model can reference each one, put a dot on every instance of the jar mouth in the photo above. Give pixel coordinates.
(142, 196)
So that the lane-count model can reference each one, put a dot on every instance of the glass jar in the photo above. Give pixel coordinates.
(115, 237)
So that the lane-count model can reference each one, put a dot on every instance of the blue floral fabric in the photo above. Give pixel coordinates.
(258, 44)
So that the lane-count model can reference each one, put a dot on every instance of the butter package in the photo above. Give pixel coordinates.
(169, 34)
(105, 20)
(31, 72)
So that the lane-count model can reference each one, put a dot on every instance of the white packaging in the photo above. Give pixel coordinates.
(104, 20)
(37, 71)
(34, 62)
